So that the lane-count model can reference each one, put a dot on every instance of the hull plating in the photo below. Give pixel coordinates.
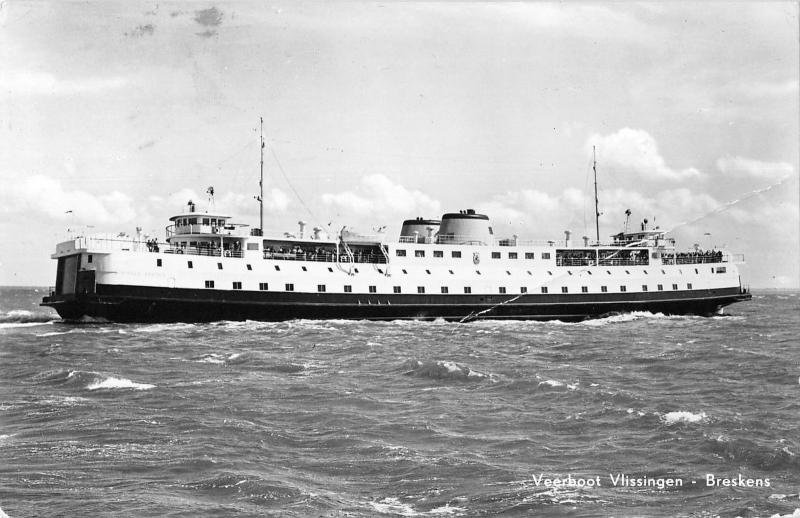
(146, 304)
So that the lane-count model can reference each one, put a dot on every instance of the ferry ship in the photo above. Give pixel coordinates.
(210, 268)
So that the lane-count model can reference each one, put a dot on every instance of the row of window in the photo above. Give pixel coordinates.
(190, 265)
(348, 288)
(456, 254)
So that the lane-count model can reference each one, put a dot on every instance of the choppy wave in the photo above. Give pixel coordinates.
(89, 380)
(683, 417)
(250, 488)
(442, 370)
(24, 316)
(753, 453)
(118, 383)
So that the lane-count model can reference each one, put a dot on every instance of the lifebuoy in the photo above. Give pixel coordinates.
(227, 253)
(180, 251)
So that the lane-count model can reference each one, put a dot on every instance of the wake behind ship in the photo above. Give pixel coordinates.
(209, 268)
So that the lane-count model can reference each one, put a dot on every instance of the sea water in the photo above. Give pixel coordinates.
(622, 416)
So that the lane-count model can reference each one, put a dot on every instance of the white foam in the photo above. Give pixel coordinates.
(671, 418)
(450, 366)
(795, 514)
(9, 325)
(446, 509)
(3, 515)
(556, 383)
(391, 505)
(118, 383)
(54, 333)
(211, 358)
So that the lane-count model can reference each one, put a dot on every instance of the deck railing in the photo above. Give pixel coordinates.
(326, 257)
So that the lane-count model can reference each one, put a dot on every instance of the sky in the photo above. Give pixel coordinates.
(113, 115)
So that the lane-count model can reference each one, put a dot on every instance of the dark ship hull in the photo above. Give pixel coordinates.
(150, 304)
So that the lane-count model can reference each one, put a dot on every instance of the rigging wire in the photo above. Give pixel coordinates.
(289, 183)
(727, 205)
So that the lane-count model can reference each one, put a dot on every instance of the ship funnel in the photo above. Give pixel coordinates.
(317, 230)
(585, 240)
(567, 234)
(302, 228)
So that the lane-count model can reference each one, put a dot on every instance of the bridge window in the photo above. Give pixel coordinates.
(263, 286)
(528, 255)
(674, 286)
(502, 289)
(400, 253)
(420, 289)
(321, 288)
(219, 266)
(289, 287)
(689, 286)
(206, 221)
(438, 253)
(512, 255)
(419, 253)
(584, 289)
(467, 289)
(544, 289)
(545, 255)
(397, 289)
(455, 254)
(252, 246)
(249, 267)
(495, 255)
(623, 288)
(604, 289)
(564, 289)
(189, 264)
(373, 289)
(302, 268)
(445, 289)
(277, 268)
(209, 284)
(523, 289)
(237, 285)
(348, 288)
(158, 262)
(660, 287)
(89, 258)
(644, 287)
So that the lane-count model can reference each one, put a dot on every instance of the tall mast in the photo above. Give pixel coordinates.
(261, 182)
(596, 202)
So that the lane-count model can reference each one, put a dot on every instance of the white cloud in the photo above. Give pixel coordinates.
(46, 196)
(378, 197)
(635, 152)
(746, 167)
(24, 82)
